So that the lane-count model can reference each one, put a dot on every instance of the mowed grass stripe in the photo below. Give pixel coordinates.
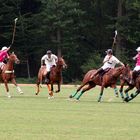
(31, 117)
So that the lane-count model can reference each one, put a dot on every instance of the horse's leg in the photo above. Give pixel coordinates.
(7, 89)
(58, 88)
(74, 94)
(50, 91)
(38, 88)
(115, 90)
(101, 93)
(128, 89)
(90, 85)
(121, 90)
(17, 87)
(132, 96)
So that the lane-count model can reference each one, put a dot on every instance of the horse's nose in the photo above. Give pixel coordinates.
(17, 61)
(65, 66)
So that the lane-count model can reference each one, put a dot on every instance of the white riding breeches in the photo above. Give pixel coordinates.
(137, 68)
(48, 67)
(1, 65)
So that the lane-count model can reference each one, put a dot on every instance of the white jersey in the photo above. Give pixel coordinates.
(49, 61)
(110, 62)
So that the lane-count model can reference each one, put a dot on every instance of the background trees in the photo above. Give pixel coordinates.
(82, 30)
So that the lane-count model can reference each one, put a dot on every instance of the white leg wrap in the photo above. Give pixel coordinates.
(8, 95)
(19, 90)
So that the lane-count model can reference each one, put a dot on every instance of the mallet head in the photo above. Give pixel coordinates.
(16, 19)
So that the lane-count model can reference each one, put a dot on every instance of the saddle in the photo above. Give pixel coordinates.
(104, 71)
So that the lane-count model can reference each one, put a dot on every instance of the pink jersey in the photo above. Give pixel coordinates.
(3, 55)
(138, 60)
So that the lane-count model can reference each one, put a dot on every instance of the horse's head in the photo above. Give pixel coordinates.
(61, 62)
(126, 73)
(13, 58)
(124, 70)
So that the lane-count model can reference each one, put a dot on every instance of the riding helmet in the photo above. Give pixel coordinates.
(109, 51)
(49, 52)
(4, 48)
(138, 49)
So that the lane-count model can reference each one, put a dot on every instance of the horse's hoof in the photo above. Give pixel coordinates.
(70, 96)
(51, 97)
(9, 96)
(117, 96)
(126, 99)
(21, 92)
(99, 100)
(132, 95)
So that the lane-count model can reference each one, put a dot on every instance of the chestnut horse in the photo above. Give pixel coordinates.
(130, 87)
(7, 74)
(109, 79)
(55, 76)
(124, 80)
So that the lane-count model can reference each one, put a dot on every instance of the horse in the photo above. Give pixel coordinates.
(130, 87)
(7, 73)
(125, 80)
(55, 76)
(109, 79)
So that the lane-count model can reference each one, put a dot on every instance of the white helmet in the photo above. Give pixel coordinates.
(4, 48)
(138, 49)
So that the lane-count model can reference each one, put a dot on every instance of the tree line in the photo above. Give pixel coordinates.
(82, 30)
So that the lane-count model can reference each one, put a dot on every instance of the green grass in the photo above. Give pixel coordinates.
(30, 117)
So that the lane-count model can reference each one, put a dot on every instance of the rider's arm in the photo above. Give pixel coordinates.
(56, 58)
(8, 48)
(106, 59)
(42, 59)
(121, 63)
(7, 55)
(118, 61)
(135, 57)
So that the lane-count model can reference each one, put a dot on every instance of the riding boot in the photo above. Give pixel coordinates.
(47, 79)
(96, 73)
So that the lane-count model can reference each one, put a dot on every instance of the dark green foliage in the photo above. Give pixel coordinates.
(81, 29)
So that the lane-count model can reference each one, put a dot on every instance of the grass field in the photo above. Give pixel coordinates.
(30, 117)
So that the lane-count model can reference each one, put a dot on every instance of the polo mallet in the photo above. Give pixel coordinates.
(14, 30)
(114, 39)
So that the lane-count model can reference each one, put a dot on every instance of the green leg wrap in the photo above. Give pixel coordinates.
(73, 95)
(79, 95)
(116, 91)
(121, 93)
(127, 96)
(100, 97)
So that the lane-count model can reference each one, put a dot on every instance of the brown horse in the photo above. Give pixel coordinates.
(7, 74)
(130, 87)
(55, 76)
(109, 79)
(125, 80)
